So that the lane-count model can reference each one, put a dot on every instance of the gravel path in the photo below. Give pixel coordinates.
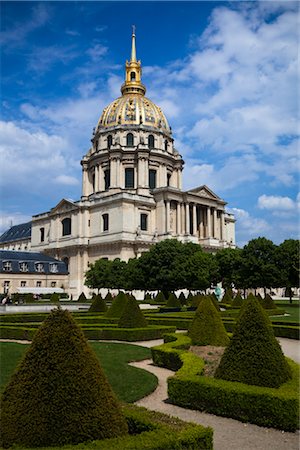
(229, 434)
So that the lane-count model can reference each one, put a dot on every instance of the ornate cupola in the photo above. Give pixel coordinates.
(133, 76)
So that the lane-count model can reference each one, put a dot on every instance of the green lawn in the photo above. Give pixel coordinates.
(292, 311)
(129, 383)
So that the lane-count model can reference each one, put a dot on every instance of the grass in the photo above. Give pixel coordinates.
(129, 383)
(292, 311)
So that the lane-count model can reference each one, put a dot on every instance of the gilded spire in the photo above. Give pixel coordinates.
(133, 84)
(133, 49)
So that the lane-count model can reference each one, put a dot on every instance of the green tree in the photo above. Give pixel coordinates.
(288, 261)
(258, 264)
(98, 275)
(229, 260)
(59, 393)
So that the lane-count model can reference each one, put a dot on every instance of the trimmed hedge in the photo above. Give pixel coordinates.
(168, 354)
(98, 304)
(270, 407)
(132, 316)
(117, 306)
(135, 334)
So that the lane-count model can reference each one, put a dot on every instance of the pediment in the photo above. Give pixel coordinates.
(64, 206)
(205, 192)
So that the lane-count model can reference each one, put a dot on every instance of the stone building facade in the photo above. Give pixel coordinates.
(132, 193)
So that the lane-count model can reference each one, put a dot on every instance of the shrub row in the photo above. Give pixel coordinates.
(287, 331)
(268, 407)
(169, 354)
(93, 333)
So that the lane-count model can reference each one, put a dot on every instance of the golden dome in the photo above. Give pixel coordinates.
(133, 108)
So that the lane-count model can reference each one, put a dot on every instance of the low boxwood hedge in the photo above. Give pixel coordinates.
(278, 408)
(136, 334)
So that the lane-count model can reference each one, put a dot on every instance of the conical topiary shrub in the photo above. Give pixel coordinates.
(215, 301)
(160, 298)
(54, 298)
(268, 302)
(254, 356)
(108, 298)
(82, 297)
(173, 301)
(196, 300)
(207, 327)
(132, 316)
(189, 298)
(59, 394)
(237, 301)
(182, 299)
(147, 297)
(98, 304)
(117, 306)
(227, 298)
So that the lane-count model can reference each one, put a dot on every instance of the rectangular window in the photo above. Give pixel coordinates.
(23, 283)
(42, 232)
(152, 179)
(38, 284)
(53, 283)
(105, 222)
(129, 178)
(106, 179)
(66, 226)
(144, 220)
(6, 284)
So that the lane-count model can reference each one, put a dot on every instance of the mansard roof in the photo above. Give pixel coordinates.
(17, 232)
(31, 258)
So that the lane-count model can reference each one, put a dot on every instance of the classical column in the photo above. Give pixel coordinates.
(187, 218)
(118, 172)
(178, 217)
(101, 178)
(201, 224)
(167, 216)
(85, 182)
(194, 220)
(208, 211)
(96, 178)
(179, 179)
(222, 226)
(215, 224)
(113, 172)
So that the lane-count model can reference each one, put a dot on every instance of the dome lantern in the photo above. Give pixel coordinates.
(133, 72)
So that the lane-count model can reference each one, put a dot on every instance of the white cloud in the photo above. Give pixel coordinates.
(42, 59)
(67, 180)
(273, 202)
(247, 226)
(97, 51)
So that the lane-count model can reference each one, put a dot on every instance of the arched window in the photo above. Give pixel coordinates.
(166, 145)
(151, 141)
(66, 226)
(109, 141)
(42, 234)
(132, 76)
(129, 140)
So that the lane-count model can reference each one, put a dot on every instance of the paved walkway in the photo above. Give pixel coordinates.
(229, 434)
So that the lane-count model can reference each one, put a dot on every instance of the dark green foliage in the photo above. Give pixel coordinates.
(207, 327)
(196, 299)
(108, 298)
(268, 302)
(227, 298)
(98, 304)
(182, 299)
(215, 302)
(254, 356)
(173, 301)
(237, 301)
(190, 297)
(59, 393)
(54, 298)
(160, 298)
(132, 316)
(82, 297)
(28, 298)
(117, 306)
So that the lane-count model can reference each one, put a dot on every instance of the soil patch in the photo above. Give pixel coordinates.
(211, 355)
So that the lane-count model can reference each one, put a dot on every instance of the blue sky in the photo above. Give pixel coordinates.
(224, 73)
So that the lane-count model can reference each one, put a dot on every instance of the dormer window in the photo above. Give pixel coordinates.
(129, 140)
(39, 267)
(151, 141)
(53, 268)
(23, 267)
(7, 266)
